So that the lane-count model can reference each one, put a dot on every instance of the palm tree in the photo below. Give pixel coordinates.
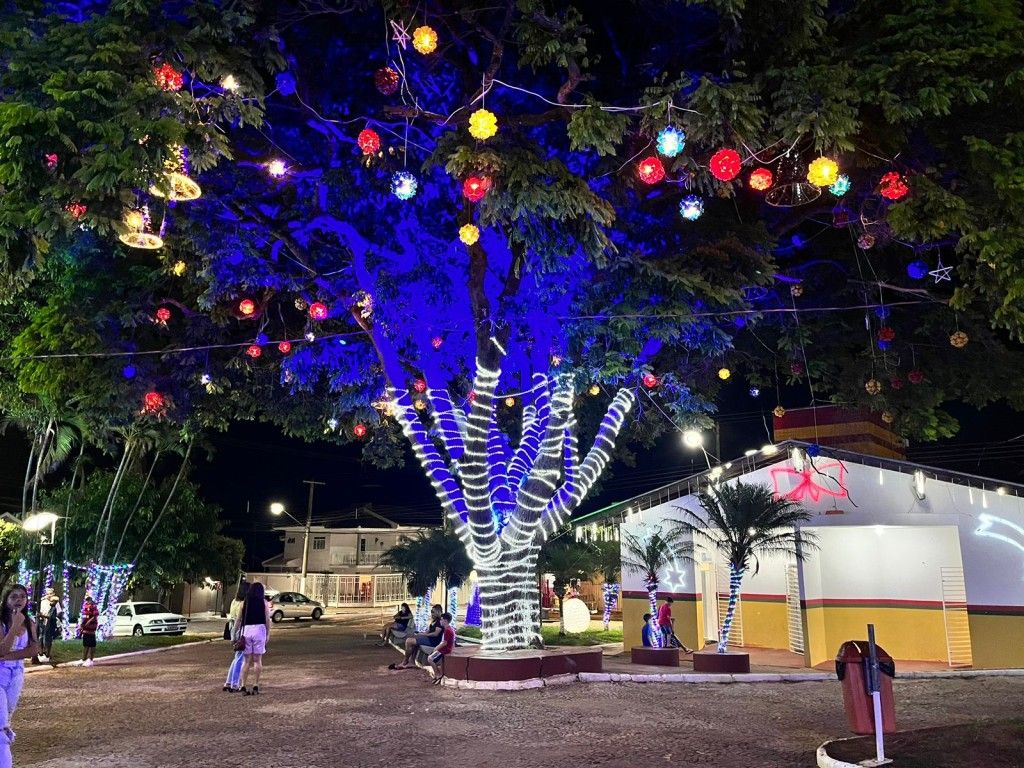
(429, 557)
(566, 559)
(652, 554)
(608, 563)
(744, 523)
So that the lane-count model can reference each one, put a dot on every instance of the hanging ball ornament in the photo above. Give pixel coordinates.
(359, 430)
(865, 241)
(254, 351)
(840, 186)
(671, 141)
(284, 347)
(873, 386)
(959, 339)
(917, 270)
(246, 307)
(761, 179)
(152, 402)
(483, 124)
(436, 342)
(475, 187)
(725, 164)
(887, 417)
(420, 385)
(420, 405)
(386, 80)
(796, 290)
(778, 411)
(469, 233)
(510, 401)
(823, 172)
(163, 314)
(594, 390)
(404, 185)
(896, 382)
(724, 374)
(168, 78)
(368, 141)
(650, 380)
(650, 170)
(424, 39)
(916, 376)
(796, 368)
(318, 311)
(691, 207)
(128, 371)
(75, 210)
(179, 268)
(892, 186)
(885, 333)
(754, 392)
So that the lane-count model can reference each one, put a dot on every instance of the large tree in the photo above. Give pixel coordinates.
(580, 303)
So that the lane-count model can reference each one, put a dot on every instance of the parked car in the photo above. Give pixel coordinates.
(294, 605)
(147, 619)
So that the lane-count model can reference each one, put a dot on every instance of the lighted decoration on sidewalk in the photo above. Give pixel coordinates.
(474, 613)
(1014, 537)
(453, 604)
(610, 592)
(808, 486)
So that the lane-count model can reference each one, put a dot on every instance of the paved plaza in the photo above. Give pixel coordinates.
(328, 700)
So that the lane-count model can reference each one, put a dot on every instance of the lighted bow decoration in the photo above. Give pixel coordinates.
(807, 486)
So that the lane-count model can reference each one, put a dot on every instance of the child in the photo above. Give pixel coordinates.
(443, 649)
(647, 634)
(90, 624)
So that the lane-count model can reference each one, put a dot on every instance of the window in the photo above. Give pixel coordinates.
(285, 598)
(362, 545)
(319, 542)
(291, 540)
(125, 610)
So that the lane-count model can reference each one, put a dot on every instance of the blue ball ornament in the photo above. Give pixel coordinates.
(671, 141)
(262, 338)
(404, 185)
(128, 371)
(883, 312)
(813, 450)
(883, 344)
(691, 208)
(917, 269)
(754, 392)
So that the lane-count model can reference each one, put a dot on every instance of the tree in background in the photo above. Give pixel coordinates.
(744, 523)
(650, 555)
(608, 565)
(567, 560)
(10, 548)
(426, 559)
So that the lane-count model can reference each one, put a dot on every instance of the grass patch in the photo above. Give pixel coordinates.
(71, 650)
(552, 638)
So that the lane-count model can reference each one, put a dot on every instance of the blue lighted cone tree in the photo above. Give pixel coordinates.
(746, 522)
(650, 555)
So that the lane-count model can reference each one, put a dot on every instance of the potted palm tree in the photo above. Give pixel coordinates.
(608, 564)
(437, 555)
(650, 555)
(745, 523)
(567, 560)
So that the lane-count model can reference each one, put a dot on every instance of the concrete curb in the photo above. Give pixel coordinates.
(112, 657)
(824, 760)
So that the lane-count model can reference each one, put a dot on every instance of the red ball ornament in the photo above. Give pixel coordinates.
(386, 80)
(368, 141)
(796, 368)
(916, 376)
(896, 382)
(318, 310)
(761, 179)
(725, 164)
(359, 430)
(892, 186)
(168, 78)
(284, 347)
(75, 210)
(152, 402)
(420, 385)
(163, 314)
(254, 351)
(650, 380)
(651, 170)
(51, 161)
(246, 307)
(471, 397)
(475, 187)
(885, 333)
(436, 342)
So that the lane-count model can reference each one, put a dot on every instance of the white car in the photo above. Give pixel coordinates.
(147, 619)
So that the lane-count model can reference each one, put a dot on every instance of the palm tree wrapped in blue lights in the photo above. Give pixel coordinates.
(744, 523)
(608, 563)
(652, 554)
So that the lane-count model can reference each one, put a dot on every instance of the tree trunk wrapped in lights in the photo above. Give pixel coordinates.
(610, 592)
(735, 579)
(652, 601)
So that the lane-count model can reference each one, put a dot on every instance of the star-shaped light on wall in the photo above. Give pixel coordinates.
(401, 35)
(941, 273)
(675, 577)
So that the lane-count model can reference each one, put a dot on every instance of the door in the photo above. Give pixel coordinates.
(286, 604)
(709, 590)
(123, 620)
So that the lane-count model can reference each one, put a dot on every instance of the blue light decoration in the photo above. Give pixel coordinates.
(262, 338)
(691, 208)
(128, 371)
(404, 185)
(917, 270)
(755, 392)
(671, 141)
(840, 186)
(883, 344)
(813, 450)
(883, 312)
(474, 612)
(610, 592)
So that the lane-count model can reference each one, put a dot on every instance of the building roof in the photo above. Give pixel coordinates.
(406, 529)
(692, 484)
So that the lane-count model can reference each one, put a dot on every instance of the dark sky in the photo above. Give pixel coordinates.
(253, 465)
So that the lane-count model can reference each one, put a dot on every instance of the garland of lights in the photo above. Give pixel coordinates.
(453, 603)
(474, 616)
(652, 599)
(610, 591)
(735, 578)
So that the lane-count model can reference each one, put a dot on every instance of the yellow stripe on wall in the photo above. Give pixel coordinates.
(997, 642)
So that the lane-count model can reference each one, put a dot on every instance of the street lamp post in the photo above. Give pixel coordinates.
(277, 508)
(37, 523)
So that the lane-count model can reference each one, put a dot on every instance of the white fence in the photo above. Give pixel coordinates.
(337, 590)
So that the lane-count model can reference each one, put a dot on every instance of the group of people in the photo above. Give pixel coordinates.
(665, 626)
(437, 642)
(248, 629)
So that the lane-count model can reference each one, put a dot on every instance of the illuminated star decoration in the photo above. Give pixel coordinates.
(675, 577)
(807, 486)
(401, 35)
(941, 273)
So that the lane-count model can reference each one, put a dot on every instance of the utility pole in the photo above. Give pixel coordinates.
(305, 544)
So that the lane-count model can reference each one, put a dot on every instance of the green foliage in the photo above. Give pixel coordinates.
(567, 560)
(608, 560)
(436, 555)
(10, 551)
(650, 554)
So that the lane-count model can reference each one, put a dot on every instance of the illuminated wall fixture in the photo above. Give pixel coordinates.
(750, 452)
(993, 527)
(796, 455)
(881, 477)
(769, 449)
(919, 485)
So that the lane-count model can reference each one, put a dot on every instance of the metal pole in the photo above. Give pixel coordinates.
(305, 544)
(876, 696)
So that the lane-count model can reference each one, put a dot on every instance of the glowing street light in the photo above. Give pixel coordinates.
(693, 439)
(277, 508)
(39, 521)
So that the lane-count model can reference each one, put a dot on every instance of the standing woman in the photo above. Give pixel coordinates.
(20, 641)
(233, 682)
(256, 631)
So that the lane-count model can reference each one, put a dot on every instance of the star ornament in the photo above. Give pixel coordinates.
(811, 483)
(401, 35)
(941, 273)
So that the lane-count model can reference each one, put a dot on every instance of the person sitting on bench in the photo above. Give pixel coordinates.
(400, 624)
(426, 641)
(445, 647)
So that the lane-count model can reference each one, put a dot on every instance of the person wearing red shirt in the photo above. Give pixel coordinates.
(667, 627)
(90, 625)
(445, 647)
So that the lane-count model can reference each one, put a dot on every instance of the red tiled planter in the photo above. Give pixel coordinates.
(470, 663)
(656, 657)
(721, 663)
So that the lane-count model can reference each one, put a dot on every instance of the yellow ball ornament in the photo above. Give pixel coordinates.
(595, 390)
(873, 386)
(959, 339)
(823, 172)
(134, 220)
(510, 401)
(420, 405)
(779, 411)
(179, 268)
(724, 373)
(424, 39)
(483, 124)
(469, 233)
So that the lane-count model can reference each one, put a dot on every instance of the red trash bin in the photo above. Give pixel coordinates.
(852, 670)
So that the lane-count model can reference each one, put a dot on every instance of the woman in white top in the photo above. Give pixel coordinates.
(20, 641)
(233, 682)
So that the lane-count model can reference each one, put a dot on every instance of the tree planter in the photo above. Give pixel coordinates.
(730, 663)
(656, 657)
